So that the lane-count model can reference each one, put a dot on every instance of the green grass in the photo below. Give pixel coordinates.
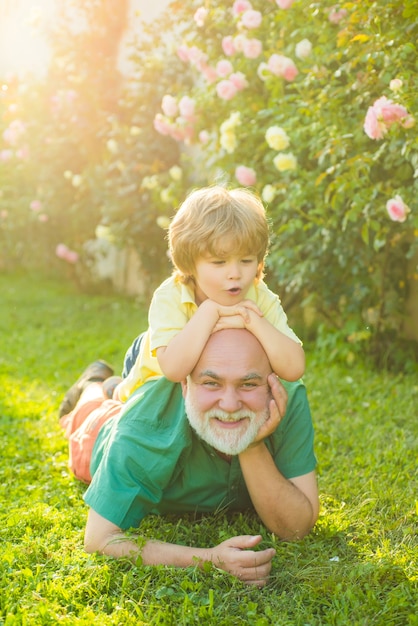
(358, 567)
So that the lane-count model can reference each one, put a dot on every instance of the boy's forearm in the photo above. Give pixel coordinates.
(286, 356)
(182, 353)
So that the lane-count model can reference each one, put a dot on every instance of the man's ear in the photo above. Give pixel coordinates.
(184, 387)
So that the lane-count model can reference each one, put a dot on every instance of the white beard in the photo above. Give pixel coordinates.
(229, 441)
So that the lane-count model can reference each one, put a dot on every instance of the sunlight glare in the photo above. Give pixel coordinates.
(23, 49)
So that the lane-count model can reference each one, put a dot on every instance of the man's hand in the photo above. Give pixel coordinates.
(277, 410)
(279, 394)
(236, 557)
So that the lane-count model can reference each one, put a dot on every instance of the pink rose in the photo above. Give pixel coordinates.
(22, 153)
(284, 4)
(397, 209)
(35, 205)
(238, 80)
(246, 176)
(282, 66)
(389, 111)
(13, 133)
(197, 57)
(382, 115)
(209, 74)
(290, 71)
(226, 89)
(161, 124)
(204, 136)
(252, 48)
(183, 53)
(240, 6)
(71, 257)
(187, 107)
(373, 127)
(336, 15)
(251, 19)
(228, 46)
(224, 68)
(169, 106)
(6, 155)
(61, 251)
(200, 16)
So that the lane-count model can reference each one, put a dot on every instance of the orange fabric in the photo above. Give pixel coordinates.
(81, 429)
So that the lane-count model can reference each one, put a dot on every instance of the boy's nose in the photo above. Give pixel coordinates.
(234, 270)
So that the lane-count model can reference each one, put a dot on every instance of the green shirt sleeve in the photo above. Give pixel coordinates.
(138, 454)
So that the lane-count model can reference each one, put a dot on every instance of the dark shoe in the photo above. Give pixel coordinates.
(96, 372)
(110, 384)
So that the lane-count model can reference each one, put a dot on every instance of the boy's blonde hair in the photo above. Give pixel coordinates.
(210, 216)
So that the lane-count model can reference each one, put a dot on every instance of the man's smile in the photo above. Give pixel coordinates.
(230, 422)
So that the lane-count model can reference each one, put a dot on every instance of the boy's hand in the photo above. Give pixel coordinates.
(236, 315)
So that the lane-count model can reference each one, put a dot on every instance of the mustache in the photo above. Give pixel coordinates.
(224, 416)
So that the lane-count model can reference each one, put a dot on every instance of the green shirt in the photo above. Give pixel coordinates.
(149, 460)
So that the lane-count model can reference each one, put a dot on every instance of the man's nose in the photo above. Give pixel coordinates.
(229, 400)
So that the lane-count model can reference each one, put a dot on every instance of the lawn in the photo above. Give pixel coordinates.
(359, 566)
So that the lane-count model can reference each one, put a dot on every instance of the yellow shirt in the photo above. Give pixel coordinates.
(172, 306)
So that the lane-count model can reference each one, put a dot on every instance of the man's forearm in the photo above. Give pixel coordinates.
(106, 538)
(282, 506)
(234, 555)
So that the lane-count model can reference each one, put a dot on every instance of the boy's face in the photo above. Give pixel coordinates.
(225, 279)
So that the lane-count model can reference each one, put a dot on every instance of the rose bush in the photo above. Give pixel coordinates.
(311, 103)
(327, 135)
(75, 147)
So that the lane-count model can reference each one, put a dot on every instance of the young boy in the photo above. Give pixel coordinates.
(218, 242)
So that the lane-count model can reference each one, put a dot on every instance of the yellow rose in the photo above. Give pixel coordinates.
(228, 141)
(163, 221)
(175, 172)
(285, 161)
(277, 138)
(269, 193)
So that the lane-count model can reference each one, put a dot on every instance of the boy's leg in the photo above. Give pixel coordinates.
(95, 372)
(131, 355)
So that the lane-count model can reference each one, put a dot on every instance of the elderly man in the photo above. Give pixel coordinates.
(231, 443)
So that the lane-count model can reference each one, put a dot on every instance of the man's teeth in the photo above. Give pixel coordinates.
(230, 419)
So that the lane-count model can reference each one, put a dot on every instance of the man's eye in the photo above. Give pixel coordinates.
(249, 385)
(210, 383)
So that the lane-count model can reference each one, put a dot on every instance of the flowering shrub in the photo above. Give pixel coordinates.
(312, 103)
(324, 128)
(74, 150)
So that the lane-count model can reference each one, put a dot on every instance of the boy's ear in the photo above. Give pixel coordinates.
(260, 270)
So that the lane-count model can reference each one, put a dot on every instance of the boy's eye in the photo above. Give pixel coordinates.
(247, 261)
